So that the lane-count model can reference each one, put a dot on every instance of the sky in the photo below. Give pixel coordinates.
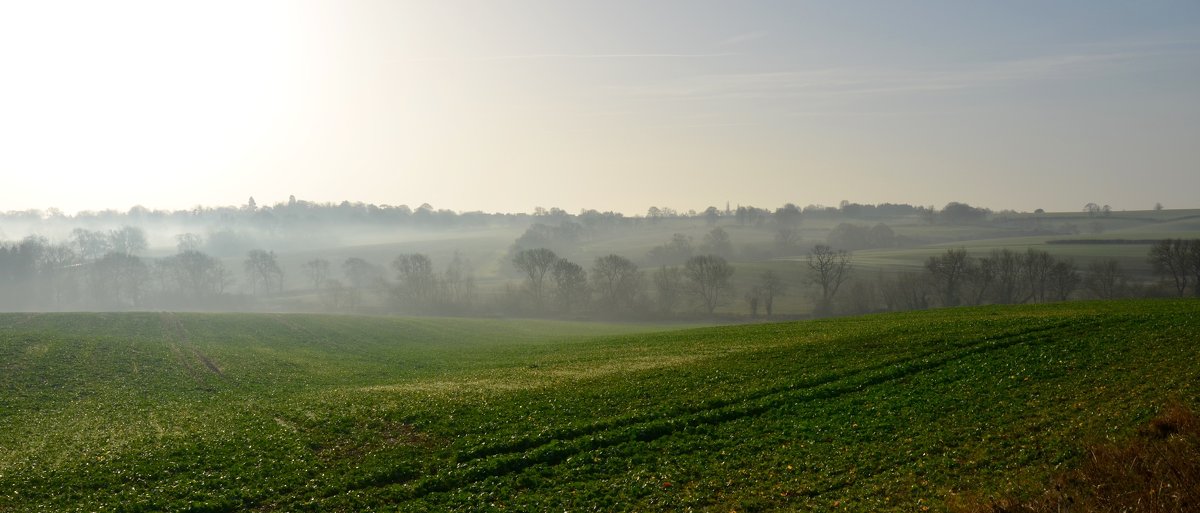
(504, 106)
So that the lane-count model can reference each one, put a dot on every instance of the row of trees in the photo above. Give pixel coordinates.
(1008, 277)
(615, 286)
(36, 274)
(416, 289)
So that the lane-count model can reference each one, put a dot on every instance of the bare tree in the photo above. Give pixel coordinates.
(535, 263)
(771, 287)
(460, 283)
(1064, 279)
(1006, 268)
(753, 297)
(949, 271)
(334, 296)
(709, 280)
(617, 281)
(89, 245)
(787, 239)
(58, 268)
(130, 240)
(980, 277)
(906, 291)
(416, 282)
(317, 271)
(1037, 267)
(262, 268)
(829, 269)
(199, 277)
(361, 276)
(1105, 279)
(118, 280)
(570, 285)
(188, 242)
(1169, 258)
(1193, 262)
(668, 288)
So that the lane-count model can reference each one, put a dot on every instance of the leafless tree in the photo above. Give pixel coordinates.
(906, 291)
(416, 284)
(709, 280)
(263, 268)
(1064, 279)
(1007, 285)
(1193, 261)
(1037, 267)
(130, 240)
(668, 288)
(829, 269)
(460, 283)
(317, 271)
(617, 281)
(535, 263)
(570, 285)
(753, 297)
(118, 280)
(772, 287)
(361, 276)
(1105, 279)
(1169, 258)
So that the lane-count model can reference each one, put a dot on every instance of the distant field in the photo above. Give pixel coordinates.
(897, 412)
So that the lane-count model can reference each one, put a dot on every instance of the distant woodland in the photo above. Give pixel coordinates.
(736, 262)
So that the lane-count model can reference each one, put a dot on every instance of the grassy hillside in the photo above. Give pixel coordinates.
(207, 412)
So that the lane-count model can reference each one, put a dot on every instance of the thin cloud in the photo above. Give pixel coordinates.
(843, 82)
(610, 56)
(570, 56)
(742, 38)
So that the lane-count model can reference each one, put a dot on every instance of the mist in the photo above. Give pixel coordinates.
(734, 263)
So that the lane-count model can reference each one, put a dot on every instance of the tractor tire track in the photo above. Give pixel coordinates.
(198, 365)
(511, 457)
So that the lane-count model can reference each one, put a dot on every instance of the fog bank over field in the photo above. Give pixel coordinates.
(735, 263)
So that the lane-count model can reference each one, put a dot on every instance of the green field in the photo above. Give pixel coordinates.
(895, 412)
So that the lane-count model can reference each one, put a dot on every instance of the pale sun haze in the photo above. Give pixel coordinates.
(505, 106)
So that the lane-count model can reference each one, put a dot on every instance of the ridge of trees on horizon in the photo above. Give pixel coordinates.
(426, 215)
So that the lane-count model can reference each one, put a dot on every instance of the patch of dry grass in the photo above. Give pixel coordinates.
(1155, 471)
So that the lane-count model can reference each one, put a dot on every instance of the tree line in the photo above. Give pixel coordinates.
(105, 269)
(1004, 276)
(102, 270)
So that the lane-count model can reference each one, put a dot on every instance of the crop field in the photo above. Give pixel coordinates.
(270, 412)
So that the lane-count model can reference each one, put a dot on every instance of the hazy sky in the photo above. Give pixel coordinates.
(614, 105)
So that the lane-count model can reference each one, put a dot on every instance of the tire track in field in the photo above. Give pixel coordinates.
(512, 457)
(185, 351)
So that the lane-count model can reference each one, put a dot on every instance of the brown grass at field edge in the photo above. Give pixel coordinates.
(1156, 470)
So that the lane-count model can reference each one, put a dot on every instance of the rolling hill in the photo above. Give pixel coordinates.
(276, 412)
